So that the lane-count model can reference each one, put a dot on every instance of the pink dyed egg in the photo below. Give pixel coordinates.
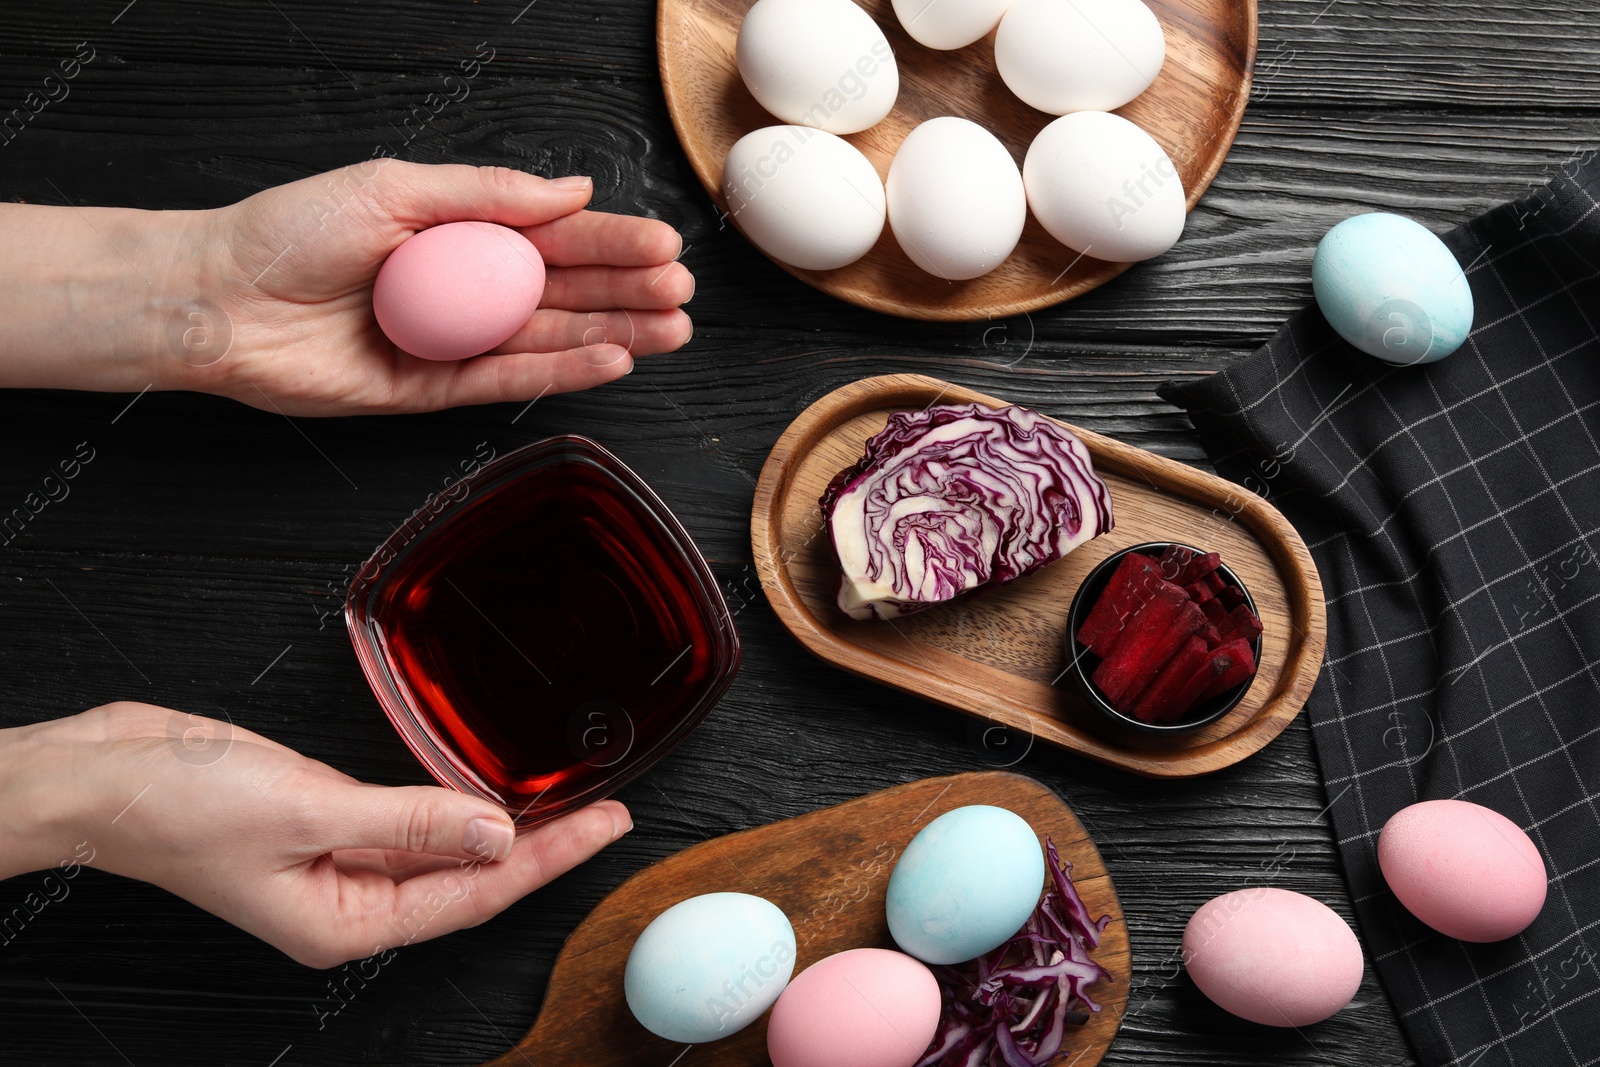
(1465, 870)
(866, 1007)
(1272, 956)
(458, 290)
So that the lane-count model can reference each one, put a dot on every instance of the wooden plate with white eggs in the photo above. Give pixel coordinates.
(1192, 110)
(829, 872)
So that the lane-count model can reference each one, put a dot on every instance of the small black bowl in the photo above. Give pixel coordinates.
(1084, 662)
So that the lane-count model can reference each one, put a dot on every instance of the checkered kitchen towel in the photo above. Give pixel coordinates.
(1453, 510)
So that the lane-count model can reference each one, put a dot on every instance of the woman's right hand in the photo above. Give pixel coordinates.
(308, 859)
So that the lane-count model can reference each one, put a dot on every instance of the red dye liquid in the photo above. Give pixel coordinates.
(550, 638)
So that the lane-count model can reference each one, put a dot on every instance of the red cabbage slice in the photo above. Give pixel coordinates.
(957, 498)
(1067, 893)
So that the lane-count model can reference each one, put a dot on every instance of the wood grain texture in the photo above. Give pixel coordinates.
(828, 871)
(1242, 266)
(1192, 110)
(1455, 55)
(998, 656)
(205, 537)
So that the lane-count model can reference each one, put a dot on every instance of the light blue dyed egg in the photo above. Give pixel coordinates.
(709, 966)
(965, 884)
(1392, 289)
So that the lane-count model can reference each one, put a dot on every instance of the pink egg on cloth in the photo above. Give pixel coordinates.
(1273, 956)
(1464, 869)
(865, 1007)
(458, 290)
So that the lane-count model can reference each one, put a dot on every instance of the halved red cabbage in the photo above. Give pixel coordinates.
(955, 498)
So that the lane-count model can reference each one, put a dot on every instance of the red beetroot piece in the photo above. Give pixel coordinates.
(1214, 611)
(1148, 627)
(1199, 592)
(1231, 596)
(1214, 580)
(1129, 589)
(1240, 663)
(1173, 559)
(1241, 624)
(1198, 567)
(1159, 698)
(1188, 694)
(1188, 622)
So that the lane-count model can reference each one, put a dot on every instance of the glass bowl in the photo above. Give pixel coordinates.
(543, 631)
(1084, 662)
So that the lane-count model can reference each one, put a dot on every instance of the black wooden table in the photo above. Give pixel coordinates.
(207, 541)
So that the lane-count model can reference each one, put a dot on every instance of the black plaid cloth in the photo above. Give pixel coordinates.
(1453, 510)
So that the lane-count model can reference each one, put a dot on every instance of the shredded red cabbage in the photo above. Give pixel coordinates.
(1011, 1007)
(958, 497)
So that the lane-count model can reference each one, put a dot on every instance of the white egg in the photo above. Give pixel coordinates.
(805, 197)
(1102, 186)
(956, 202)
(947, 24)
(821, 63)
(1062, 56)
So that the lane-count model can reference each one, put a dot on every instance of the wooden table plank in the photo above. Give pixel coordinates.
(1450, 54)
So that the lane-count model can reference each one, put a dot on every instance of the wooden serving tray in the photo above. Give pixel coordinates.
(828, 871)
(1192, 110)
(998, 655)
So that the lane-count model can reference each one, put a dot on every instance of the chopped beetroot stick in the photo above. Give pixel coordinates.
(1187, 695)
(1242, 664)
(1128, 590)
(1210, 634)
(1199, 592)
(1147, 626)
(1162, 692)
(1214, 580)
(1173, 560)
(1240, 624)
(1198, 567)
(1214, 611)
(1231, 596)
(1161, 651)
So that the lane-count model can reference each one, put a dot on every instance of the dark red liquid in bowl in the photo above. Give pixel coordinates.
(551, 635)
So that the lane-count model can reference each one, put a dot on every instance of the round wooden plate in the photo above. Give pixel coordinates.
(828, 871)
(1192, 109)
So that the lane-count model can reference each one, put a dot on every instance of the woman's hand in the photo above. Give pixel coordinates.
(269, 300)
(310, 860)
(296, 265)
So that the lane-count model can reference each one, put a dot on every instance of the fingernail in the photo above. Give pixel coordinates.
(620, 826)
(604, 354)
(694, 283)
(686, 340)
(571, 183)
(631, 364)
(489, 838)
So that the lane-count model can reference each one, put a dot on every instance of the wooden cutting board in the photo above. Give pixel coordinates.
(828, 871)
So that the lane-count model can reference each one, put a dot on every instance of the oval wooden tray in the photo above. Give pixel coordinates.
(997, 656)
(1192, 109)
(828, 871)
